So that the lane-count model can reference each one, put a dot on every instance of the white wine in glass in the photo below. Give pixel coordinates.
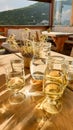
(54, 83)
(15, 79)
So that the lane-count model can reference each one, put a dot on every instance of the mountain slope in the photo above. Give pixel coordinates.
(30, 15)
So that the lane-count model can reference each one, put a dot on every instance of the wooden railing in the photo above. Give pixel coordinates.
(4, 29)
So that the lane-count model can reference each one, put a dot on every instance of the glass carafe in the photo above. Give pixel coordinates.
(41, 51)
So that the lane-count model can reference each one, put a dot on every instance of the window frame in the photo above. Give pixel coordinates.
(39, 26)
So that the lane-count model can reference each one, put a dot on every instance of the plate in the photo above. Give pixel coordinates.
(8, 47)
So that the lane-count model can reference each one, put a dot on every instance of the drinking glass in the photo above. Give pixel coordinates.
(70, 74)
(41, 51)
(15, 79)
(54, 83)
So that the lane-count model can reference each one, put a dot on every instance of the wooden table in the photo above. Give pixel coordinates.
(25, 116)
(59, 38)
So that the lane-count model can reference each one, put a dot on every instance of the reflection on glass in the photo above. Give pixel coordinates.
(62, 12)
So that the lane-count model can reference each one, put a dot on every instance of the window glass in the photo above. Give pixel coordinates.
(62, 12)
(24, 12)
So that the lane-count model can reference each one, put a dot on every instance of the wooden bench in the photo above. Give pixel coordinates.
(68, 43)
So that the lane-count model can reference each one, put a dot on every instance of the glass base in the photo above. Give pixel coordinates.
(52, 106)
(45, 111)
(16, 98)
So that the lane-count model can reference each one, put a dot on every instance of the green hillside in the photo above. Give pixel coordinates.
(30, 15)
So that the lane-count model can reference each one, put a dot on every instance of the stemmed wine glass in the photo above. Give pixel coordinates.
(54, 83)
(15, 79)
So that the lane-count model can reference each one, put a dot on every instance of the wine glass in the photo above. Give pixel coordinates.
(54, 83)
(15, 79)
(70, 74)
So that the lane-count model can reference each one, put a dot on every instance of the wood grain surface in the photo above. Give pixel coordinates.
(25, 116)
